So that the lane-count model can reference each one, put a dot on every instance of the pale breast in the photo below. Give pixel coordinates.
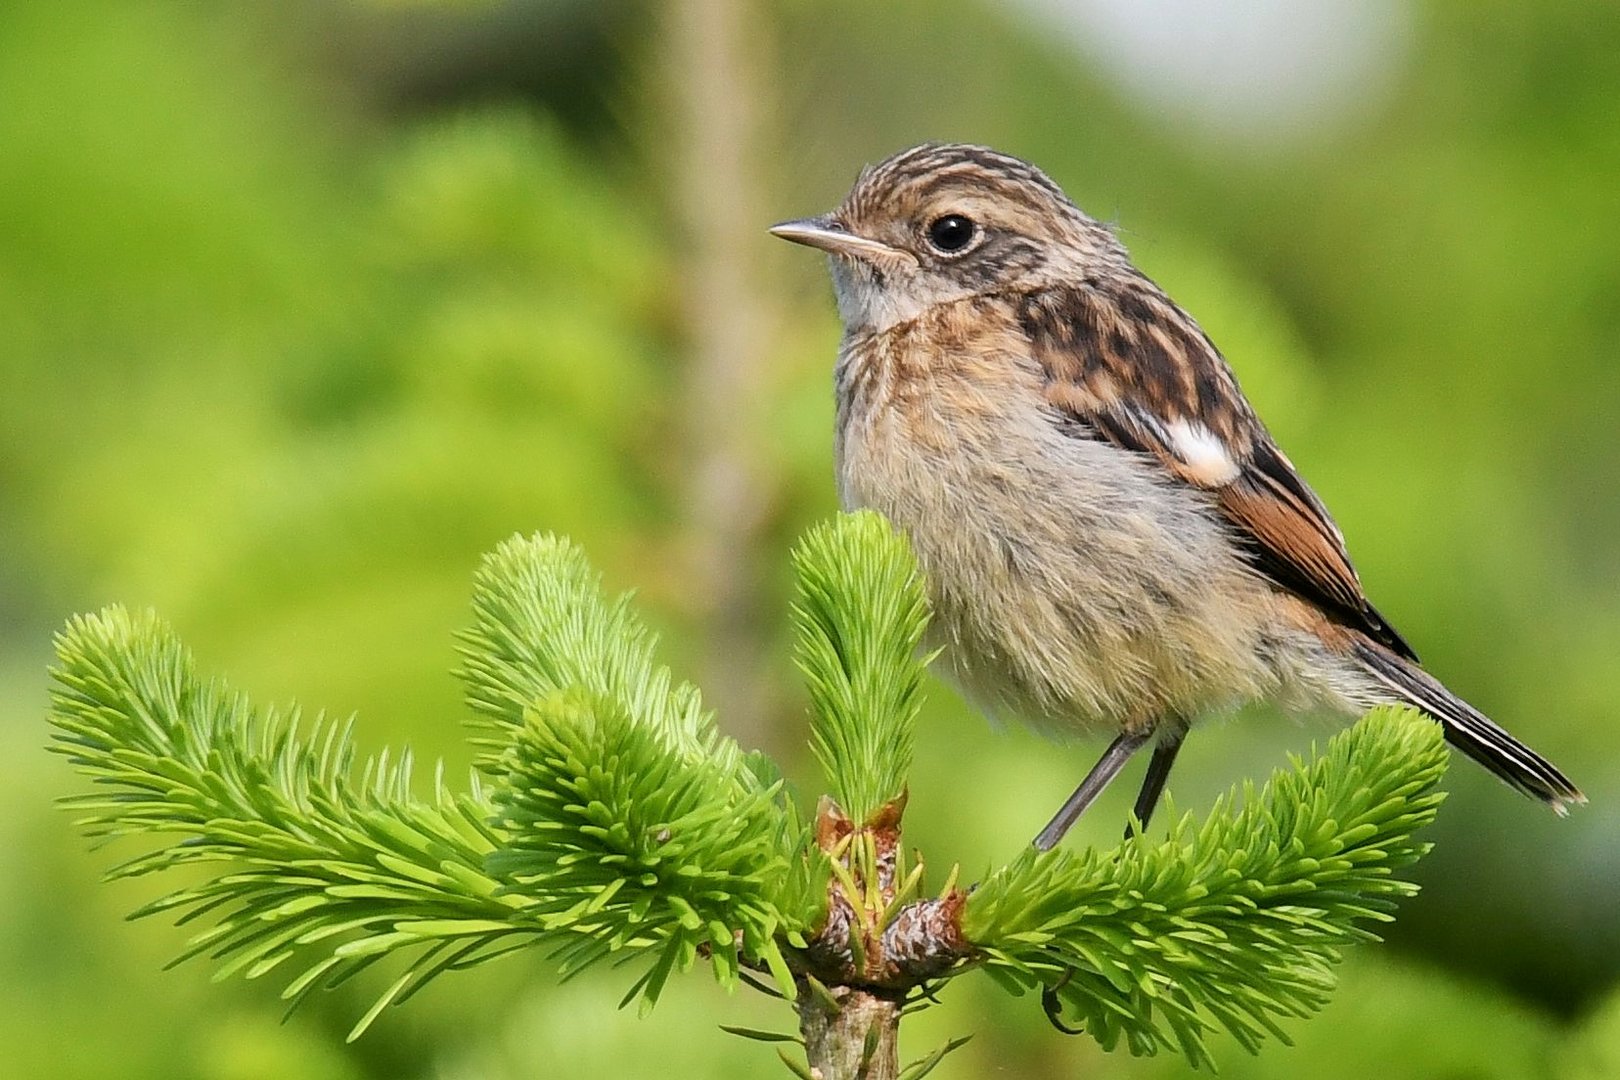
(1074, 583)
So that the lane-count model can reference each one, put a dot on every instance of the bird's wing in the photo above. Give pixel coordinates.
(1122, 362)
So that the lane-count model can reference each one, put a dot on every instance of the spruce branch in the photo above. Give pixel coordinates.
(541, 624)
(633, 846)
(611, 820)
(313, 861)
(621, 806)
(1233, 922)
(858, 622)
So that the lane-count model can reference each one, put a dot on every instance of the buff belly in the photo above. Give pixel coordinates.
(1074, 585)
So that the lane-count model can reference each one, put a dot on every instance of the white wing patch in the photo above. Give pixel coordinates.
(1205, 456)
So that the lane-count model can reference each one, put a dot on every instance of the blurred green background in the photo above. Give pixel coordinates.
(303, 306)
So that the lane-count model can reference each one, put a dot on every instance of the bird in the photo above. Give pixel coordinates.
(1113, 543)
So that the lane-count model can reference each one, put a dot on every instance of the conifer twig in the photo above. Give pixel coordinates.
(610, 819)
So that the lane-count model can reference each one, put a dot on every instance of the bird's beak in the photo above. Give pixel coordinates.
(828, 234)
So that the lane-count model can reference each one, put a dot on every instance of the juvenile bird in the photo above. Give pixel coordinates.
(1111, 539)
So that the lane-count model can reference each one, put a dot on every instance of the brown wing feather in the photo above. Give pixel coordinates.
(1125, 363)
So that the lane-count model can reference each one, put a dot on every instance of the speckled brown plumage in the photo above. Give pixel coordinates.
(1125, 362)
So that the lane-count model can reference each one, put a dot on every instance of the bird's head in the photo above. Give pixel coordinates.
(943, 221)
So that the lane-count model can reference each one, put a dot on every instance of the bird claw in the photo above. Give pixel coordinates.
(1053, 1007)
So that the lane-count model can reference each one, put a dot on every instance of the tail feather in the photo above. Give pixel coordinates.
(1471, 731)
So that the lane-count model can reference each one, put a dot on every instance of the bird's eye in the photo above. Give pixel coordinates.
(951, 233)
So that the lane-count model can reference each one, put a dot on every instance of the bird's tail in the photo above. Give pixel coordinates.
(1470, 730)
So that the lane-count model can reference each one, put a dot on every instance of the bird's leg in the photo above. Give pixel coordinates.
(1158, 771)
(1114, 758)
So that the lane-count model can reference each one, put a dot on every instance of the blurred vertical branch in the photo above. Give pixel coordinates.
(712, 64)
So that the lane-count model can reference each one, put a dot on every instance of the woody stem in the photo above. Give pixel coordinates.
(850, 1034)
